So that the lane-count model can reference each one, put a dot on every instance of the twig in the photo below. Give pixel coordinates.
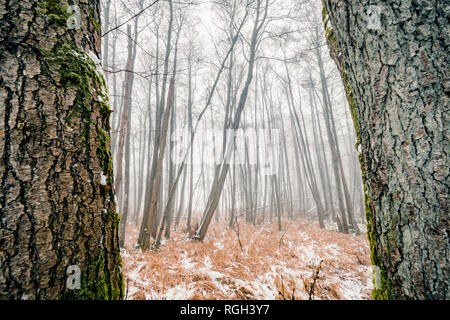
(310, 287)
(236, 230)
(126, 294)
(281, 239)
(281, 293)
(137, 14)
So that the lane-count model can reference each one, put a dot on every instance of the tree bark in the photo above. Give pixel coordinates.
(396, 79)
(57, 206)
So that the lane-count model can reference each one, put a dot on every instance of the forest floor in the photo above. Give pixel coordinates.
(271, 264)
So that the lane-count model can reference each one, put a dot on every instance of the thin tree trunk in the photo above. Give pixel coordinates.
(127, 108)
(148, 225)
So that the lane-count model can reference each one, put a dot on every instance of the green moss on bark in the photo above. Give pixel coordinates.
(97, 283)
(95, 23)
(104, 153)
(56, 13)
(329, 34)
(76, 70)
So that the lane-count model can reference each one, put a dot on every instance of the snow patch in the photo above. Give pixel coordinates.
(263, 291)
(94, 57)
(133, 275)
(351, 289)
(218, 245)
(180, 292)
(186, 262)
(102, 179)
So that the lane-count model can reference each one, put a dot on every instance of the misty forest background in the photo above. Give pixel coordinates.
(208, 67)
(295, 88)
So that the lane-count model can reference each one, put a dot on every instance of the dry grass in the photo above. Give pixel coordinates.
(272, 264)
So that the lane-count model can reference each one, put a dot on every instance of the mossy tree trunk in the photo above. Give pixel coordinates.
(397, 84)
(57, 205)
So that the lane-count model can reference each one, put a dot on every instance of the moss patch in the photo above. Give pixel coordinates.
(56, 13)
(77, 70)
(97, 283)
(329, 33)
(104, 153)
(113, 217)
(95, 23)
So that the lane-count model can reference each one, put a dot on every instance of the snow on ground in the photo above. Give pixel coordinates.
(271, 266)
(186, 263)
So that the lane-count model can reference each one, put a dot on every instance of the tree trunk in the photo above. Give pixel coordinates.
(158, 173)
(148, 224)
(128, 102)
(397, 88)
(57, 204)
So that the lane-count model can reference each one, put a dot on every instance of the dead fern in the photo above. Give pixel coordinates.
(284, 292)
(311, 285)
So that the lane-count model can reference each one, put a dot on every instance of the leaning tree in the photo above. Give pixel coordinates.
(393, 58)
(58, 220)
